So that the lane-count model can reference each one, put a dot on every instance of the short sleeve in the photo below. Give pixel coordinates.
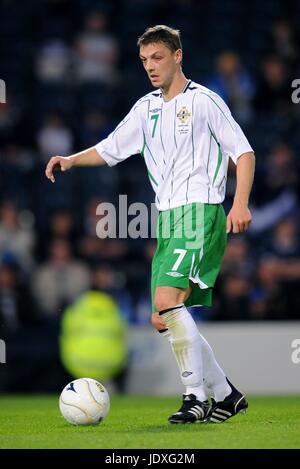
(227, 131)
(126, 140)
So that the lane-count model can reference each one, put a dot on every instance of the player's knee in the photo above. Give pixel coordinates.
(158, 322)
(155, 321)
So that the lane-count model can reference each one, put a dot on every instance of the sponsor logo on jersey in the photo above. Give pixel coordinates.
(174, 274)
(157, 109)
(185, 374)
(183, 115)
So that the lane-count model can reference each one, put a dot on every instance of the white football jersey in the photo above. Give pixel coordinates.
(186, 143)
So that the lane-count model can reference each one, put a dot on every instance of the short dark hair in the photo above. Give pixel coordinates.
(161, 33)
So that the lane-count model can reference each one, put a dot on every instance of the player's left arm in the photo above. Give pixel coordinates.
(239, 217)
(235, 145)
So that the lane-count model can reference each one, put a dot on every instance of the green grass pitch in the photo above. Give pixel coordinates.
(141, 422)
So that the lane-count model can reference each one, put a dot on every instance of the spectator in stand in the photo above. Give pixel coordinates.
(285, 240)
(53, 62)
(284, 246)
(100, 242)
(96, 52)
(235, 288)
(276, 189)
(233, 298)
(95, 125)
(237, 258)
(274, 88)
(268, 300)
(281, 173)
(234, 84)
(96, 182)
(16, 170)
(108, 280)
(60, 280)
(9, 118)
(278, 274)
(54, 137)
(283, 42)
(16, 235)
(17, 306)
(61, 226)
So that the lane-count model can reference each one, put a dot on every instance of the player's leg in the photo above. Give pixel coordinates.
(170, 288)
(233, 404)
(205, 260)
(174, 321)
(224, 394)
(193, 352)
(197, 364)
(178, 259)
(183, 336)
(213, 376)
(199, 357)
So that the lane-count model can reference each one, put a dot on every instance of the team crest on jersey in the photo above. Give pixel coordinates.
(184, 115)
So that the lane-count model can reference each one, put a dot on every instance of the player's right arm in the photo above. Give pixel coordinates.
(88, 157)
(126, 140)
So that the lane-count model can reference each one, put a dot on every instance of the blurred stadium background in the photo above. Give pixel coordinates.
(72, 72)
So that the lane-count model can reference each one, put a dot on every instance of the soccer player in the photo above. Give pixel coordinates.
(186, 134)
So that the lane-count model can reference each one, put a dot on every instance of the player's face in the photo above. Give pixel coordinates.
(160, 63)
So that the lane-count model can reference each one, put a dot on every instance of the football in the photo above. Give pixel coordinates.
(84, 401)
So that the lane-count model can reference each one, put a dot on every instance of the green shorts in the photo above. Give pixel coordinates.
(191, 241)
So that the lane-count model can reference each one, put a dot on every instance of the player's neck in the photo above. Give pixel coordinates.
(176, 87)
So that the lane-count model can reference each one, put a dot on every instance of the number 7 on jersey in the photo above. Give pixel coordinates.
(182, 253)
(155, 118)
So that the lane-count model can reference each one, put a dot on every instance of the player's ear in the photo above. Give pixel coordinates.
(178, 56)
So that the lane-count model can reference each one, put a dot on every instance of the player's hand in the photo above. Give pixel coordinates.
(57, 163)
(238, 219)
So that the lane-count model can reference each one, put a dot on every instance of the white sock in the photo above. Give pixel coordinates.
(214, 376)
(214, 381)
(186, 345)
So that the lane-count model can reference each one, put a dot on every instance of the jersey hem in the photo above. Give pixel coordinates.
(182, 203)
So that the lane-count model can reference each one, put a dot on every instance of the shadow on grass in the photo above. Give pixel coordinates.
(168, 428)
